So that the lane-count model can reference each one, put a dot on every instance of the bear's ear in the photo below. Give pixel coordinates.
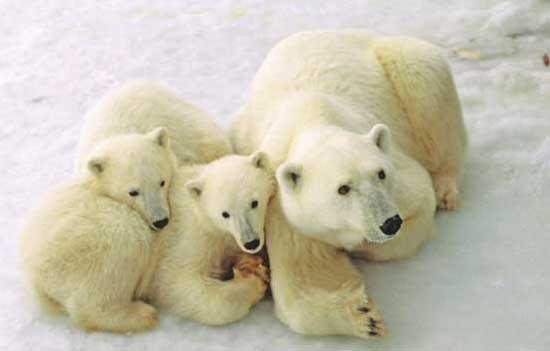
(96, 165)
(259, 159)
(381, 136)
(160, 136)
(194, 187)
(289, 175)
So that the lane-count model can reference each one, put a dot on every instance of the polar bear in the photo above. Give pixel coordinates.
(87, 247)
(237, 202)
(367, 136)
(195, 138)
(141, 106)
(190, 279)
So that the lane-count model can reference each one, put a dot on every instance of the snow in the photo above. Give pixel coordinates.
(480, 284)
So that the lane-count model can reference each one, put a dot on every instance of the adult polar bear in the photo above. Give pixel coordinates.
(322, 106)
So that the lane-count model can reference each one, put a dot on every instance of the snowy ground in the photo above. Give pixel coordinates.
(480, 285)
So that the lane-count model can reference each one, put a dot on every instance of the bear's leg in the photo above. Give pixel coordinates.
(212, 301)
(103, 298)
(446, 191)
(118, 318)
(48, 304)
(315, 287)
(424, 84)
(326, 300)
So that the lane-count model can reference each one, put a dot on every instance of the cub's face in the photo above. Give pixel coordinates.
(337, 187)
(233, 192)
(136, 170)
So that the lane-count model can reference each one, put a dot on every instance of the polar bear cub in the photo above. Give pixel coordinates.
(194, 259)
(141, 106)
(237, 202)
(86, 248)
(195, 138)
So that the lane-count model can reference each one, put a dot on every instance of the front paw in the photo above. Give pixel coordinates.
(251, 264)
(255, 284)
(367, 320)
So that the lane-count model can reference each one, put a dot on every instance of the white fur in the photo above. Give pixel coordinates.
(322, 107)
(90, 249)
(195, 138)
(188, 258)
(87, 247)
(196, 253)
(231, 184)
(139, 107)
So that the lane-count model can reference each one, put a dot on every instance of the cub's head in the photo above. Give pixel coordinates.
(136, 169)
(337, 186)
(233, 192)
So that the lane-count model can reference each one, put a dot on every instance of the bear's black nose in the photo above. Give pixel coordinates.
(251, 245)
(161, 223)
(391, 225)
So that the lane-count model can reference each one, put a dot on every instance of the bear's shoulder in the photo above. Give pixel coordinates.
(83, 206)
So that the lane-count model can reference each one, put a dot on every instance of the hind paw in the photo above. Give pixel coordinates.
(446, 192)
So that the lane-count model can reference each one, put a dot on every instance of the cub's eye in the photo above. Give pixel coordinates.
(225, 214)
(162, 183)
(344, 189)
(254, 204)
(382, 175)
(133, 193)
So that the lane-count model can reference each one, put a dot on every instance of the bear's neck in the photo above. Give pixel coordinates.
(90, 183)
(303, 112)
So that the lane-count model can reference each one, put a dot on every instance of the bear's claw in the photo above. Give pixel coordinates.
(368, 323)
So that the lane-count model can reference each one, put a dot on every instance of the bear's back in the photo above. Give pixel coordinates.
(74, 229)
(140, 107)
(339, 64)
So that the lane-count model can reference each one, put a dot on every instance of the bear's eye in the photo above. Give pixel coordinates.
(254, 204)
(133, 193)
(162, 183)
(344, 189)
(382, 175)
(225, 214)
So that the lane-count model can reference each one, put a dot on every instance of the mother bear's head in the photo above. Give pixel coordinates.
(337, 186)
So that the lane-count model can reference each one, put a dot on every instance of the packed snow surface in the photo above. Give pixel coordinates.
(481, 284)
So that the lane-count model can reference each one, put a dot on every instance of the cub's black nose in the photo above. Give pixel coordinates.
(161, 224)
(391, 225)
(251, 245)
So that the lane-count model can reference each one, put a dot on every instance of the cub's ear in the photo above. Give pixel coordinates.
(160, 136)
(381, 136)
(259, 159)
(289, 175)
(194, 187)
(96, 165)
